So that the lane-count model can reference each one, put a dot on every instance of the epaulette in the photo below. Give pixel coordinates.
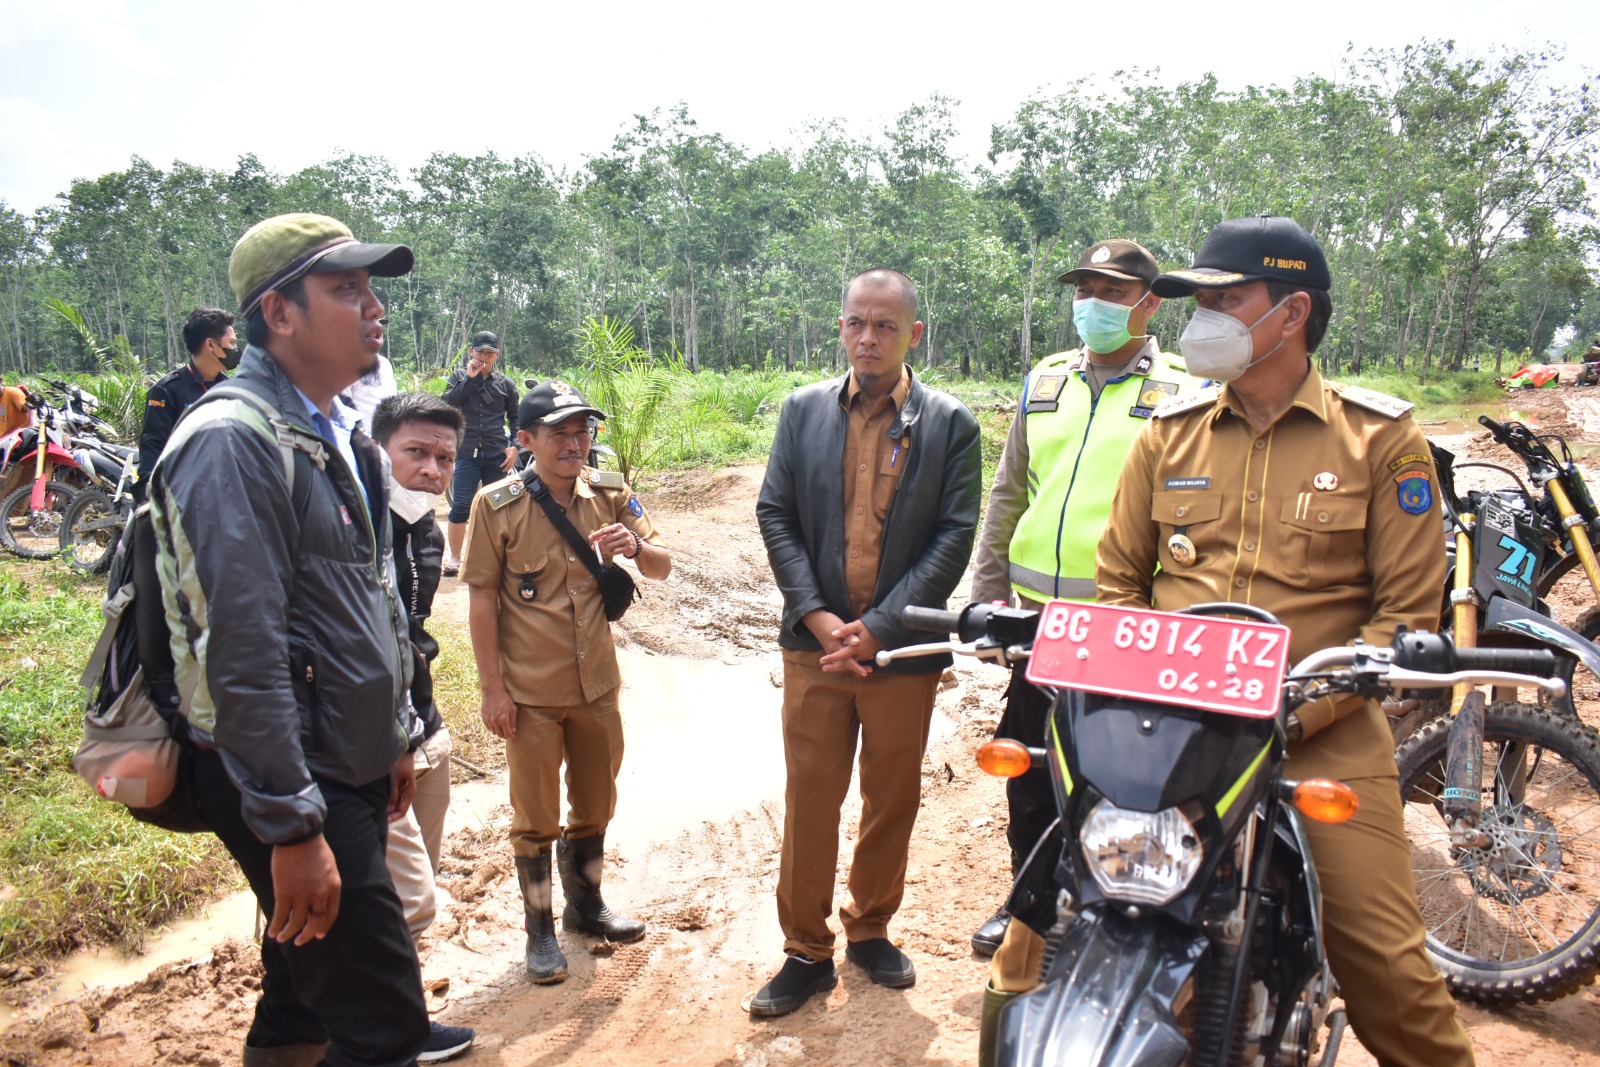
(604, 479)
(1179, 404)
(504, 491)
(1372, 400)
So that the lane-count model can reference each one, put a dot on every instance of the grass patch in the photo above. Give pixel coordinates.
(455, 693)
(74, 869)
(1459, 389)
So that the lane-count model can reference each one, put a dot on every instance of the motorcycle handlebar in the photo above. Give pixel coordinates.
(1498, 429)
(1539, 661)
(930, 620)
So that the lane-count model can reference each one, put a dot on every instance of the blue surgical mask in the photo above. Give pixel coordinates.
(1102, 325)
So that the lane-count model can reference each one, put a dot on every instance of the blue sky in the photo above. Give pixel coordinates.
(85, 84)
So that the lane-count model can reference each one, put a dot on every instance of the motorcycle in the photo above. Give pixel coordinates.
(1179, 909)
(94, 520)
(39, 483)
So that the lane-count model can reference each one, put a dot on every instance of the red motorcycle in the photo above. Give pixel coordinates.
(41, 476)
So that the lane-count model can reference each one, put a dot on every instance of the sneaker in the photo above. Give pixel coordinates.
(445, 1042)
(792, 986)
(884, 963)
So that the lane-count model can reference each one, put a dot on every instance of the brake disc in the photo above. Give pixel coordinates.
(1521, 859)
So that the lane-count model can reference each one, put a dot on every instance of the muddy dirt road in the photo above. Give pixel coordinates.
(694, 850)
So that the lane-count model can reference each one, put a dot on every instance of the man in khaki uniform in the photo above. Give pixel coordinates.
(1315, 502)
(546, 664)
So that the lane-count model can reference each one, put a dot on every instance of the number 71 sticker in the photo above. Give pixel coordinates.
(1223, 665)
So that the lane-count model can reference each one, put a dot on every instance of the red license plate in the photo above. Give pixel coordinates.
(1198, 661)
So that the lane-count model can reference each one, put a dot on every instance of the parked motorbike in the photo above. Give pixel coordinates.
(1180, 912)
(94, 520)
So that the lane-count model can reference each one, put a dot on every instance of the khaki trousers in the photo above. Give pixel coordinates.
(824, 713)
(1398, 1004)
(412, 853)
(589, 738)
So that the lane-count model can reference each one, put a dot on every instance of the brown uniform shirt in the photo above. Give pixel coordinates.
(873, 464)
(13, 409)
(555, 645)
(1329, 519)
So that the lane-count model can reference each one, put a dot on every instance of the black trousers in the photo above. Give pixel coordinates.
(360, 987)
(1029, 797)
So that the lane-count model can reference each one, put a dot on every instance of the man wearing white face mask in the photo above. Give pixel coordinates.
(1079, 413)
(1315, 502)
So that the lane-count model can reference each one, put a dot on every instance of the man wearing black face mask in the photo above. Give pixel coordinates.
(213, 348)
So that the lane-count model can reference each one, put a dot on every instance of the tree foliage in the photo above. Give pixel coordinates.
(1451, 191)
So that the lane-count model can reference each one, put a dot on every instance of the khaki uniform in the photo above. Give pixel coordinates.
(1330, 520)
(824, 712)
(556, 655)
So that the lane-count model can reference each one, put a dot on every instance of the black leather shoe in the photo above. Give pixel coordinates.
(986, 942)
(884, 963)
(792, 986)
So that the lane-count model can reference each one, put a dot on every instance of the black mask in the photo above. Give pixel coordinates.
(231, 357)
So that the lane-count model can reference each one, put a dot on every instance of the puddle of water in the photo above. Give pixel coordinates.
(1459, 418)
(185, 939)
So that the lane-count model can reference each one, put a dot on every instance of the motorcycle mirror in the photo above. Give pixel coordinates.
(1325, 800)
(1004, 758)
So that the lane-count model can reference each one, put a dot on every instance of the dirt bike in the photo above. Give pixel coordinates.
(94, 520)
(1503, 796)
(1180, 912)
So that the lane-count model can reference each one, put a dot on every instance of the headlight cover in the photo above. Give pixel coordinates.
(1137, 856)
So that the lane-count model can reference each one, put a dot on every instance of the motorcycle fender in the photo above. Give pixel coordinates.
(1107, 1000)
(56, 454)
(1507, 617)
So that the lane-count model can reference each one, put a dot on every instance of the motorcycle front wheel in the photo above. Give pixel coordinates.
(1516, 921)
(90, 530)
(34, 534)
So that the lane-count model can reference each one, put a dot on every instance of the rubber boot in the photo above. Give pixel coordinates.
(546, 965)
(305, 1055)
(989, 1029)
(582, 862)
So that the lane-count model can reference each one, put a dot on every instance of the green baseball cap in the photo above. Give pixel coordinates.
(276, 251)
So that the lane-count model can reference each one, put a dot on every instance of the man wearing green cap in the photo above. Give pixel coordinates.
(277, 584)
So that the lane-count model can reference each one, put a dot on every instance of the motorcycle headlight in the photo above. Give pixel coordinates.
(1145, 857)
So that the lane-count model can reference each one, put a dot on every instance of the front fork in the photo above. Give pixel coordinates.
(1577, 531)
(1463, 802)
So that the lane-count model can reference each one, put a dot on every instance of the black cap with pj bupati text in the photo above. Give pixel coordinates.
(1271, 247)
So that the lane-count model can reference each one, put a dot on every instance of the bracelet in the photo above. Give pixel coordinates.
(638, 545)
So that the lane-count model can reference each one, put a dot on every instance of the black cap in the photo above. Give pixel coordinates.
(1245, 250)
(485, 339)
(552, 402)
(1115, 259)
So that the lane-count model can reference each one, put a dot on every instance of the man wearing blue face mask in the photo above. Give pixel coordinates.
(1079, 414)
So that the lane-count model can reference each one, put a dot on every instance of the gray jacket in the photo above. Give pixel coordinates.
(289, 632)
(927, 535)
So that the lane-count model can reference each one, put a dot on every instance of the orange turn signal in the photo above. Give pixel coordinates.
(1004, 758)
(1325, 800)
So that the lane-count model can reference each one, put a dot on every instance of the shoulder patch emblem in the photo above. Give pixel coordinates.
(1175, 405)
(1406, 460)
(150, 402)
(634, 505)
(1153, 392)
(606, 479)
(1046, 387)
(1372, 400)
(1415, 493)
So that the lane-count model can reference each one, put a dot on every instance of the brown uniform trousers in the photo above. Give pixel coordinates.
(1327, 518)
(823, 712)
(590, 737)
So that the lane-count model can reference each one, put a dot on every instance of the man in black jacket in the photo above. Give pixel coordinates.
(213, 347)
(276, 578)
(488, 401)
(869, 505)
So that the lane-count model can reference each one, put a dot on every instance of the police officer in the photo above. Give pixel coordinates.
(1079, 414)
(213, 346)
(546, 665)
(1316, 502)
(488, 401)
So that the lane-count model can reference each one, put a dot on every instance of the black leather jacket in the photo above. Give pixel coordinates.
(927, 535)
(489, 404)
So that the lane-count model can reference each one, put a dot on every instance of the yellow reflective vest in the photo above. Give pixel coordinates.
(1076, 448)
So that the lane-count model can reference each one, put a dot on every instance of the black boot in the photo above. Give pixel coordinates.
(986, 942)
(582, 862)
(546, 965)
